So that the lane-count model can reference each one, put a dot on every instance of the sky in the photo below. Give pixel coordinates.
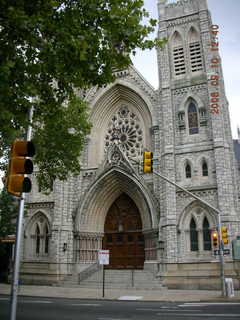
(226, 14)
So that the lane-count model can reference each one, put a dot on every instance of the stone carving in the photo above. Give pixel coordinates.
(38, 205)
(125, 128)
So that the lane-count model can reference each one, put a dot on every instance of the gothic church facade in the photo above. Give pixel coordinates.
(144, 221)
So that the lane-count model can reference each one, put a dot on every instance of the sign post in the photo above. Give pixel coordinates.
(103, 259)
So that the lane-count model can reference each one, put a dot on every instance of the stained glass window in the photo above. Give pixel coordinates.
(125, 126)
(192, 118)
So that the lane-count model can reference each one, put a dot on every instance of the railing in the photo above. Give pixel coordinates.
(86, 273)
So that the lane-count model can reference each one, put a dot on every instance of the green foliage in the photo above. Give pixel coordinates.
(48, 50)
(8, 211)
(63, 130)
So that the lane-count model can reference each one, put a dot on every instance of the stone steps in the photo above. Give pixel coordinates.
(124, 279)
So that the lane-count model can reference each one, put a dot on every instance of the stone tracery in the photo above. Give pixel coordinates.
(126, 128)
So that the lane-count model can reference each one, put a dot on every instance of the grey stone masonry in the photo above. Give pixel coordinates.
(185, 123)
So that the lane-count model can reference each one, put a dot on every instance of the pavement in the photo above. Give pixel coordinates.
(121, 294)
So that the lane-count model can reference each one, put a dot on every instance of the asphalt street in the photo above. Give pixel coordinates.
(75, 309)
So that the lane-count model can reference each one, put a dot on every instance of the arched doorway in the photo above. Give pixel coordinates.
(123, 235)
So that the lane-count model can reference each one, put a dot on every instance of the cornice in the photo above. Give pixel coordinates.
(196, 88)
(183, 20)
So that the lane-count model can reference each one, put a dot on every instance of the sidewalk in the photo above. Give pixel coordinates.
(120, 294)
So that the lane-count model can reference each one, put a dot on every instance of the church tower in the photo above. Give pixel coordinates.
(196, 148)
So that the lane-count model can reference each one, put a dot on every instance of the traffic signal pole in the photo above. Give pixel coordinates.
(17, 249)
(221, 258)
(17, 254)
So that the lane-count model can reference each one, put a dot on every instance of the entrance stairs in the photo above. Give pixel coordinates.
(116, 279)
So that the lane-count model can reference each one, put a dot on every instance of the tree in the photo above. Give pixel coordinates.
(8, 211)
(50, 52)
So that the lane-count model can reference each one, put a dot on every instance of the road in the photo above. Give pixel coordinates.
(74, 309)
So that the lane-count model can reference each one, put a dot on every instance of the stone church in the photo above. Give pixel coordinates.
(147, 224)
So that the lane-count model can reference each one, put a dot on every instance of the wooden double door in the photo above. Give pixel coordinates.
(123, 235)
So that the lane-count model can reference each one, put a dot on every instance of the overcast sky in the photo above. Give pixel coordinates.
(226, 14)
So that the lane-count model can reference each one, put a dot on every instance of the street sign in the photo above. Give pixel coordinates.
(103, 257)
(225, 252)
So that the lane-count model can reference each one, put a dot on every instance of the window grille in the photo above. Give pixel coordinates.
(195, 57)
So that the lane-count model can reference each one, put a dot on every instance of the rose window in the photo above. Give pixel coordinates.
(126, 129)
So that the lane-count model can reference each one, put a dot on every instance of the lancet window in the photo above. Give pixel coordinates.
(193, 235)
(193, 118)
(178, 55)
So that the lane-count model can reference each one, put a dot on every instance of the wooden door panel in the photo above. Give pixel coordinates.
(125, 251)
(123, 235)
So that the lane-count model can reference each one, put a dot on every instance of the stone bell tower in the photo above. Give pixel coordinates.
(196, 143)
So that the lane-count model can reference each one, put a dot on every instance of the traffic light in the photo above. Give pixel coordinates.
(215, 239)
(147, 162)
(224, 231)
(19, 166)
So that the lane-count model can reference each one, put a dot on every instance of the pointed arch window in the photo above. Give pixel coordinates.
(193, 236)
(204, 169)
(193, 118)
(195, 51)
(178, 54)
(206, 235)
(46, 239)
(196, 226)
(188, 171)
(37, 232)
(40, 235)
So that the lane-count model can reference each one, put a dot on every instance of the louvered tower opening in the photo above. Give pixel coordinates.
(195, 56)
(179, 61)
(178, 54)
(195, 52)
